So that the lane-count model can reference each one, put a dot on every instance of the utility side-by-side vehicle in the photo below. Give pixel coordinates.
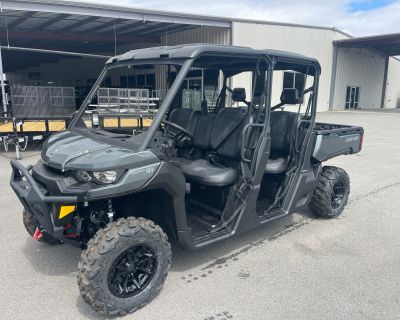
(219, 158)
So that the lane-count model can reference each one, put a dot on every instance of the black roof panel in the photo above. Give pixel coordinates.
(180, 51)
(188, 51)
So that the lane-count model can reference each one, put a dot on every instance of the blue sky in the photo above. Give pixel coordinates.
(367, 5)
(357, 17)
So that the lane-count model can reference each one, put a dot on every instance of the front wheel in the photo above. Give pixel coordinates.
(331, 193)
(124, 266)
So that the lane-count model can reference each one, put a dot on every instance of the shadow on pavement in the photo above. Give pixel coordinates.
(54, 260)
(232, 248)
(88, 312)
(63, 259)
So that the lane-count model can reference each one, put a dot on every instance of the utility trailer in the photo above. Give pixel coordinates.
(20, 131)
(125, 109)
(37, 112)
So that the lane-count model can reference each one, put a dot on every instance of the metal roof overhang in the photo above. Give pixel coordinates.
(82, 27)
(388, 44)
(112, 11)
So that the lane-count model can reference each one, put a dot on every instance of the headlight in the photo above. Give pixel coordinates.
(99, 177)
(105, 176)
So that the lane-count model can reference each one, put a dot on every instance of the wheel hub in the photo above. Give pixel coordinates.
(132, 271)
(337, 195)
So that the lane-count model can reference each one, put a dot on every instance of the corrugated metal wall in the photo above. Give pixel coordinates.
(392, 99)
(362, 68)
(202, 34)
(313, 42)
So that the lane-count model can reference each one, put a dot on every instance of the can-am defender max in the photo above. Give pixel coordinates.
(215, 162)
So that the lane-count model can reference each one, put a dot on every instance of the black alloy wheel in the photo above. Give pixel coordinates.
(132, 271)
(124, 266)
(337, 196)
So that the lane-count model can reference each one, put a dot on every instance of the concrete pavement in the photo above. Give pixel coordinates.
(298, 267)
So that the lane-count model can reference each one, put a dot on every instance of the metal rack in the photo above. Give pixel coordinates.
(126, 101)
(39, 101)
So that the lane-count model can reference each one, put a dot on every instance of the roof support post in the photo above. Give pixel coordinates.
(333, 76)
(384, 85)
(3, 91)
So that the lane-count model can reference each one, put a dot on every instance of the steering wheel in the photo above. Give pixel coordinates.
(182, 132)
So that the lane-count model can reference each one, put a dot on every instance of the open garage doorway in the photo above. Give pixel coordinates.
(48, 83)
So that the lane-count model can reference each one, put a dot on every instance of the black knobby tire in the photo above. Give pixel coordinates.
(331, 193)
(31, 224)
(106, 248)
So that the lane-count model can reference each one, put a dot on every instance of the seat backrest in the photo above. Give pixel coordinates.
(283, 126)
(203, 130)
(226, 132)
(186, 118)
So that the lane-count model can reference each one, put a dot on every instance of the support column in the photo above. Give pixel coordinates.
(333, 76)
(3, 92)
(384, 85)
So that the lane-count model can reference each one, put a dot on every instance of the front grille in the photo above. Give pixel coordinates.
(52, 179)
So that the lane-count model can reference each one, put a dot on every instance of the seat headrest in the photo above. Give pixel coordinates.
(239, 94)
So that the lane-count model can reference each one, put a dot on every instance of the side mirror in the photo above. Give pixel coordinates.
(291, 96)
(239, 95)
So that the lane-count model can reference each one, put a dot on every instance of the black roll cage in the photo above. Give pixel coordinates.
(274, 63)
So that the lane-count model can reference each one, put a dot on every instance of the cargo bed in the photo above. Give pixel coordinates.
(331, 140)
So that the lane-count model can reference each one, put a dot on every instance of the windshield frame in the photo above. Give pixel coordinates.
(163, 109)
(185, 63)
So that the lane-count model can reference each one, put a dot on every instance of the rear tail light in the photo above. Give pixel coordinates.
(361, 140)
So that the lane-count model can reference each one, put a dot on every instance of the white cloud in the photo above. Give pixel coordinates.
(319, 12)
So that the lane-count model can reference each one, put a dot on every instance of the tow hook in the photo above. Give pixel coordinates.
(38, 234)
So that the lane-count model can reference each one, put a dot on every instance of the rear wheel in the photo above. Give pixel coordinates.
(331, 193)
(31, 224)
(124, 266)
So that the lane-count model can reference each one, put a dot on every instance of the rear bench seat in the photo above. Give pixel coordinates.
(221, 133)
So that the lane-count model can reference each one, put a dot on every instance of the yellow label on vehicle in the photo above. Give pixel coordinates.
(66, 210)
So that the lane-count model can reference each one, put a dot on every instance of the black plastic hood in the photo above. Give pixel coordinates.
(71, 151)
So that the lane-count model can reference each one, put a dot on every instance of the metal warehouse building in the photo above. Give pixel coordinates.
(64, 44)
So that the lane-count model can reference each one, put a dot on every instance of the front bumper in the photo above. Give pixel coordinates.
(34, 199)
